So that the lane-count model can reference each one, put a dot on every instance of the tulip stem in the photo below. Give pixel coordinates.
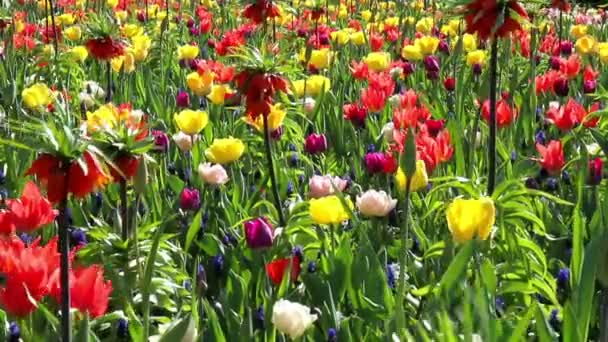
(273, 178)
(405, 232)
(109, 76)
(492, 121)
(64, 251)
(124, 209)
(604, 315)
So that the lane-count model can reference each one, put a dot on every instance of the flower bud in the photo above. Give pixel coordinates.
(259, 233)
(315, 143)
(190, 199)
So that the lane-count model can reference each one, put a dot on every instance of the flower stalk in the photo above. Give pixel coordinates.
(492, 121)
(64, 250)
(273, 178)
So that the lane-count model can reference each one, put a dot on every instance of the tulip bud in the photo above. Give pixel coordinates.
(388, 132)
(309, 105)
(190, 199)
(477, 69)
(566, 47)
(183, 141)
(161, 140)
(259, 233)
(449, 84)
(589, 86)
(595, 171)
(315, 143)
(431, 64)
(561, 87)
(182, 99)
(444, 47)
(408, 68)
(555, 63)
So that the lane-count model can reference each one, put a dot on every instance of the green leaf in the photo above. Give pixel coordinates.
(543, 332)
(216, 330)
(194, 228)
(457, 268)
(83, 330)
(178, 330)
(408, 157)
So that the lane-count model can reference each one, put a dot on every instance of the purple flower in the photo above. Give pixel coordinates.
(477, 69)
(374, 162)
(182, 99)
(589, 86)
(444, 47)
(565, 47)
(161, 140)
(431, 64)
(315, 143)
(190, 199)
(561, 87)
(259, 233)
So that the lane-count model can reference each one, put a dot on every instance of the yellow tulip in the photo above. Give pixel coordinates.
(603, 53)
(275, 119)
(224, 151)
(218, 93)
(343, 13)
(420, 180)
(366, 15)
(585, 45)
(427, 44)
(317, 84)
(378, 61)
(411, 53)
(37, 96)
(132, 30)
(340, 37)
(320, 59)
(105, 117)
(191, 121)
(73, 33)
(66, 19)
(357, 38)
(578, 31)
(469, 42)
(391, 21)
(112, 3)
(79, 53)
(470, 218)
(200, 84)
(424, 25)
(329, 210)
(124, 63)
(121, 16)
(476, 57)
(187, 52)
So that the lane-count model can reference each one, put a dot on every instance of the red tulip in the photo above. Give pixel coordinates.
(566, 117)
(355, 113)
(482, 17)
(595, 171)
(26, 270)
(570, 67)
(276, 269)
(505, 114)
(552, 157)
(31, 211)
(89, 292)
(562, 5)
(359, 70)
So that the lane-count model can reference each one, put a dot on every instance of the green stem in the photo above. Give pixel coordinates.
(273, 178)
(405, 232)
(64, 250)
(124, 209)
(492, 121)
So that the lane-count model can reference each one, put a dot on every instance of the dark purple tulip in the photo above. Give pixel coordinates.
(408, 68)
(555, 63)
(561, 87)
(195, 31)
(161, 140)
(431, 64)
(182, 99)
(258, 233)
(477, 69)
(444, 47)
(315, 143)
(565, 47)
(190, 199)
(277, 133)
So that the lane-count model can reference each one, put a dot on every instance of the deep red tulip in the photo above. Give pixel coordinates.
(355, 113)
(277, 268)
(449, 84)
(595, 171)
(552, 157)
(315, 143)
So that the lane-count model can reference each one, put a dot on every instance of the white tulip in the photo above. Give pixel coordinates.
(292, 318)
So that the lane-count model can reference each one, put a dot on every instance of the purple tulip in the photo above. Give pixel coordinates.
(431, 64)
(190, 199)
(444, 47)
(374, 162)
(258, 233)
(561, 87)
(477, 69)
(565, 47)
(182, 99)
(555, 63)
(589, 86)
(315, 143)
(161, 140)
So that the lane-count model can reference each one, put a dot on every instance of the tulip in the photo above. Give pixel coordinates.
(328, 210)
(378, 61)
(315, 143)
(184, 141)
(191, 121)
(589, 86)
(595, 171)
(420, 179)
(190, 199)
(470, 218)
(161, 140)
(375, 203)
(259, 233)
(187, 52)
(552, 157)
(321, 186)
(449, 84)
(37, 96)
(213, 174)
(292, 318)
(560, 86)
(224, 151)
(182, 99)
